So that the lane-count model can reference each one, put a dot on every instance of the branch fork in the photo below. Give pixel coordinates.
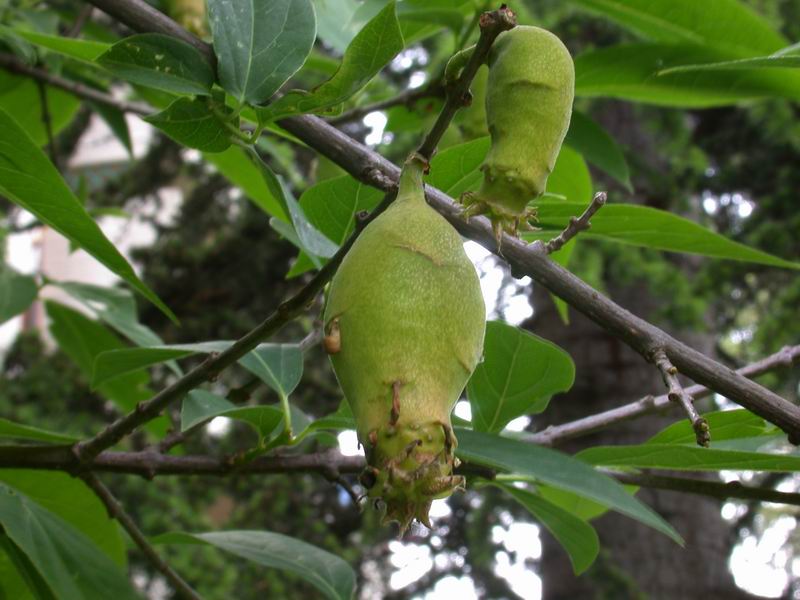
(576, 224)
(677, 394)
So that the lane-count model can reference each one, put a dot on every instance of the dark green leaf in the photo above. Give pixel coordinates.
(332, 205)
(260, 44)
(200, 405)
(374, 46)
(787, 58)
(20, 97)
(280, 366)
(68, 561)
(239, 169)
(327, 572)
(115, 119)
(455, 169)
(599, 148)
(650, 228)
(519, 374)
(688, 458)
(577, 537)
(558, 470)
(29, 178)
(85, 50)
(83, 340)
(18, 577)
(110, 365)
(114, 306)
(193, 124)
(18, 431)
(70, 499)
(729, 24)
(724, 425)
(17, 292)
(160, 61)
(631, 72)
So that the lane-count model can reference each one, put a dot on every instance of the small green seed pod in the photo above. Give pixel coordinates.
(528, 107)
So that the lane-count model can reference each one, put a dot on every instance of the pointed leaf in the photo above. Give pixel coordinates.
(159, 61)
(280, 366)
(327, 572)
(598, 147)
(28, 178)
(260, 44)
(85, 50)
(577, 537)
(724, 425)
(17, 292)
(558, 470)
(18, 431)
(70, 563)
(192, 123)
(519, 374)
(374, 46)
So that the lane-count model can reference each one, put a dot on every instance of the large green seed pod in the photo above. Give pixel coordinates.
(528, 107)
(404, 326)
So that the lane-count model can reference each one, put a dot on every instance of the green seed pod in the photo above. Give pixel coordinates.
(528, 107)
(404, 326)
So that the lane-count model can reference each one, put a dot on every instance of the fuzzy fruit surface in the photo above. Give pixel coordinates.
(408, 316)
(528, 107)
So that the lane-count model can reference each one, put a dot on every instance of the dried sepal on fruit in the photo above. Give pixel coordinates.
(404, 325)
(529, 97)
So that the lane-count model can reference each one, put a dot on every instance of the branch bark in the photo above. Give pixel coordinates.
(532, 260)
(116, 511)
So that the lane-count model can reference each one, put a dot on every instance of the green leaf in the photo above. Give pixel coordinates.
(160, 61)
(18, 577)
(201, 405)
(21, 99)
(455, 169)
(570, 179)
(71, 500)
(115, 363)
(28, 178)
(599, 148)
(341, 419)
(650, 228)
(192, 123)
(519, 374)
(786, 58)
(331, 206)
(239, 169)
(309, 237)
(724, 425)
(577, 537)
(327, 572)
(84, 50)
(18, 45)
(631, 72)
(728, 24)
(374, 46)
(260, 44)
(559, 470)
(688, 458)
(280, 366)
(17, 292)
(112, 305)
(83, 340)
(18, 431)
(115, 119)
(68, 561)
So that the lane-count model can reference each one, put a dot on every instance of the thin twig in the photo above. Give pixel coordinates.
(491, 24)
(407, 98)
(678, 395)
(151, 464)
(369, 167)
(116, 511)
(211, 367)
(83, 16)
(48, 123)
(14, 65)
(703, 487)
(558, 434)
(576, 224)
